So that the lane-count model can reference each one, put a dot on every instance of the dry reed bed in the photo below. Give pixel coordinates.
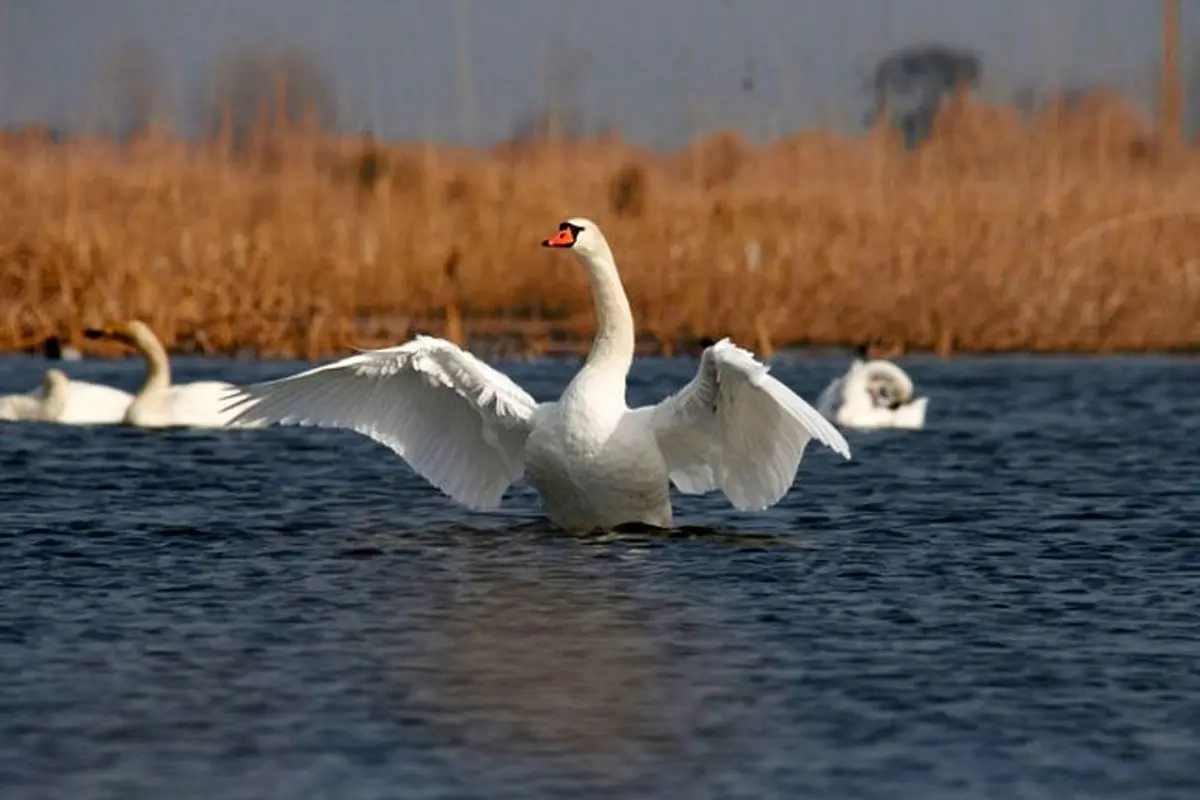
(1073, 232)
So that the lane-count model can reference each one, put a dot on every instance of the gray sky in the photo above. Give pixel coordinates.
(657, 70)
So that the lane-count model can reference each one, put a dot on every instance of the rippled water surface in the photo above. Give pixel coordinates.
(1003, 605)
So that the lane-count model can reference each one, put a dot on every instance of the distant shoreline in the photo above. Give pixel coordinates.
(513, 345)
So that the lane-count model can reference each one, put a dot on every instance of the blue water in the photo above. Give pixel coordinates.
(1003, 605)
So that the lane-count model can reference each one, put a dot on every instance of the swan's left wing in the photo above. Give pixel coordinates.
(458, 422)
(734, 427)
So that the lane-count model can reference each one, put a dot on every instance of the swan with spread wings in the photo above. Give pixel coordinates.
(595, 463)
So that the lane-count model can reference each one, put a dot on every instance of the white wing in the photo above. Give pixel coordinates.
(459, 423)
(738, 429)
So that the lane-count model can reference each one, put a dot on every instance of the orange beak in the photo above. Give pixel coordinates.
(564, 238)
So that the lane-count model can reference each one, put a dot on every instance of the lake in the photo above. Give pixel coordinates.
(1003, 605)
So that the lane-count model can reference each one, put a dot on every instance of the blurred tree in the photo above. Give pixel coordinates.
(909, 85)
(133, 90)
(267, 89)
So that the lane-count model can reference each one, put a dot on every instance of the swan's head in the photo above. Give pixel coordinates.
(134, 333)
(887, 385)
(581, 236)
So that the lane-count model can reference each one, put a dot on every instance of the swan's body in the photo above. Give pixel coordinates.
(93, 404)
(873, 394)
(596, 463)
(158, 403)
(67, 402)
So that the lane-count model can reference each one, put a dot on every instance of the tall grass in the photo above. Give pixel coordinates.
(1072, 231)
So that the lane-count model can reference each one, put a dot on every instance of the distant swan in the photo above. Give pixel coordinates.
(158, 403)
(873, 394)
(67, 402)
(53, 349)
(596, 463)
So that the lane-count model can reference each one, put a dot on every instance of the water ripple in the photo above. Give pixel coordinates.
(1002, 605)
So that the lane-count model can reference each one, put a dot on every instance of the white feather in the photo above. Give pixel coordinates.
(734, 427)
(458, 422)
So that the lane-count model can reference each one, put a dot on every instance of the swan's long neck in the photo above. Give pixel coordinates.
(612, 349)
(158, 367)
(54, 397)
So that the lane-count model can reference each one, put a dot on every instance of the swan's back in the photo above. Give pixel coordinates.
(201, 403)
(94, 404)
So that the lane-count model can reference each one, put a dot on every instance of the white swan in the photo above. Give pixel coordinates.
(596, 463)
(873, 394)
(158, 403)
(67, 402)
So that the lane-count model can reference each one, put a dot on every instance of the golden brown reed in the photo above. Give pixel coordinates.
(1071, 231)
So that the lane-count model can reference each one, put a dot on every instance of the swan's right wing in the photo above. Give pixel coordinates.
(458, 422)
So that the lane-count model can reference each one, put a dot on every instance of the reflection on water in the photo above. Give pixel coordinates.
(548, 657)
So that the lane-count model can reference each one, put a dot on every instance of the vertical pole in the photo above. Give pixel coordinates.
(466, 88)
(1171, 108)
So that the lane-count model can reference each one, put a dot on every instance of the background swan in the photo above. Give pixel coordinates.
(873, 394)
(70, 402)
(596, 463)
(54, 350)
(158, 403)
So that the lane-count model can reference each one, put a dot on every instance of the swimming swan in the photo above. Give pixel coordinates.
(158, 404)
(873, 394)
(472, 432)
(67, 402)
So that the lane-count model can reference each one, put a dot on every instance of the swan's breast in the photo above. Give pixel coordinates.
(562, 438)
(596, 470)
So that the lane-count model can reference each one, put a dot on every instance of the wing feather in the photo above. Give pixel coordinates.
(458, 422)
(736, 428)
